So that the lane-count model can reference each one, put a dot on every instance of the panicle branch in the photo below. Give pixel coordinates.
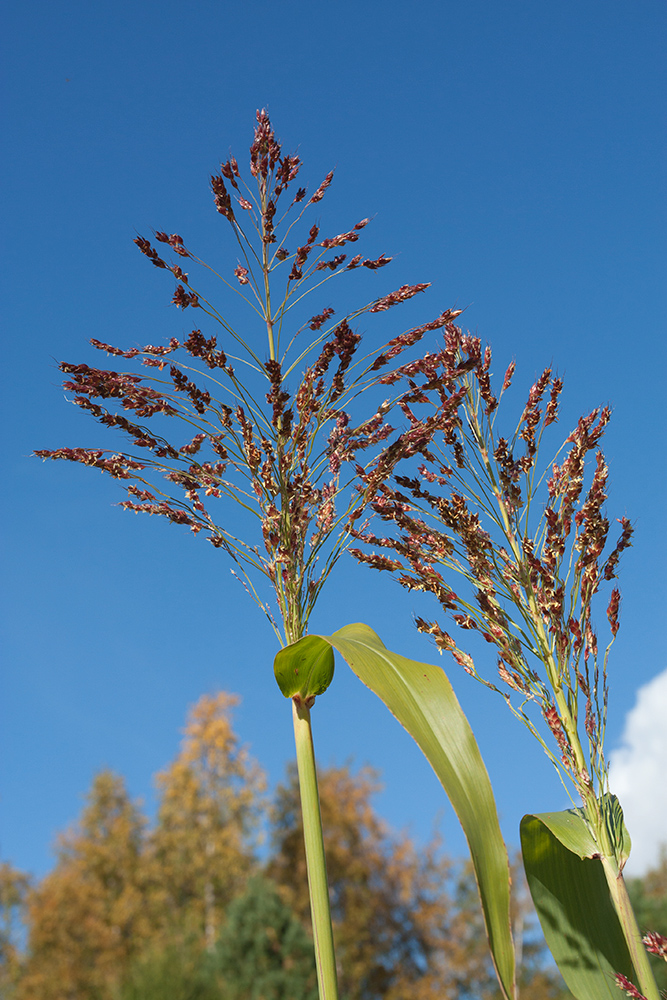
(460, 496)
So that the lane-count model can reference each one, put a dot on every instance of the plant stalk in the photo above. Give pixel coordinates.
(315, 860)
(640, 960)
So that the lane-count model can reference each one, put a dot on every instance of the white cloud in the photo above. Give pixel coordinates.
(638, 774)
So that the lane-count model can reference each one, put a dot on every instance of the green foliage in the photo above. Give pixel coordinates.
(306, 667)
(115, 920)
(282, 446)
(177, 972)
(530, 548)
(264, 952)
(400, 928)
(572, 898)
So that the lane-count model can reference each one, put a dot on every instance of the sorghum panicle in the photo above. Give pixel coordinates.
(472, 507)
(283, 443)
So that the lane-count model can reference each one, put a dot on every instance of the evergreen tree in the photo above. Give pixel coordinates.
(180, 971)
(87, 917)
(264, 952)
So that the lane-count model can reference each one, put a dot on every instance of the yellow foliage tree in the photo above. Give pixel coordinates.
(87, 917)
(118, 892)
(13, 889)
(201, 850)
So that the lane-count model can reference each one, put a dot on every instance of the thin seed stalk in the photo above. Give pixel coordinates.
(315, 860)
(640, 960)
(617, 887)
(267, 284)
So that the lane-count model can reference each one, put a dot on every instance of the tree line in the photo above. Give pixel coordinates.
(184, 909)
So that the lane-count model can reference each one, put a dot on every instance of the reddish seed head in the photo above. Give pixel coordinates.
(175, 242)
(612, 611)
(319, 194)
(373, 265)
(148, 250)
(554, 723)
(401, 294)
(223, 202)
(624, 542)
(331, 264)
(656, 944)
(227, 170)
(339, 241)
(624, 983)
(265, 150)
(509, 375)
(552, 406)
(184, 299)
(317, 321)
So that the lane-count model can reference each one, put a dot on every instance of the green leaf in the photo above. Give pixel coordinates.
(572, 900)
(616, 828)
(305, 668)
(422, 699)
(572, 830)
(574, 833)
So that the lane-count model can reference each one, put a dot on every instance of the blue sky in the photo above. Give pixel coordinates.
(512, 154)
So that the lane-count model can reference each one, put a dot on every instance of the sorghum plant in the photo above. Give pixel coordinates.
(269, 427)
(531, 546)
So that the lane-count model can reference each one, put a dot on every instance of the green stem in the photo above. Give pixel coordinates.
(315, 861)
(626, 916)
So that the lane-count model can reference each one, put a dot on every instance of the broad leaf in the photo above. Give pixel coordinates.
(571, 828)
(422, 699)
(572, 900)
(305, 668)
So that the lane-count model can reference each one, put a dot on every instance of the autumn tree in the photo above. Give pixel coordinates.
(87, 917)
(390, 906)
(13, 889)
(118, 892)
(130, 913)
(408, 921)
(201, 850)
